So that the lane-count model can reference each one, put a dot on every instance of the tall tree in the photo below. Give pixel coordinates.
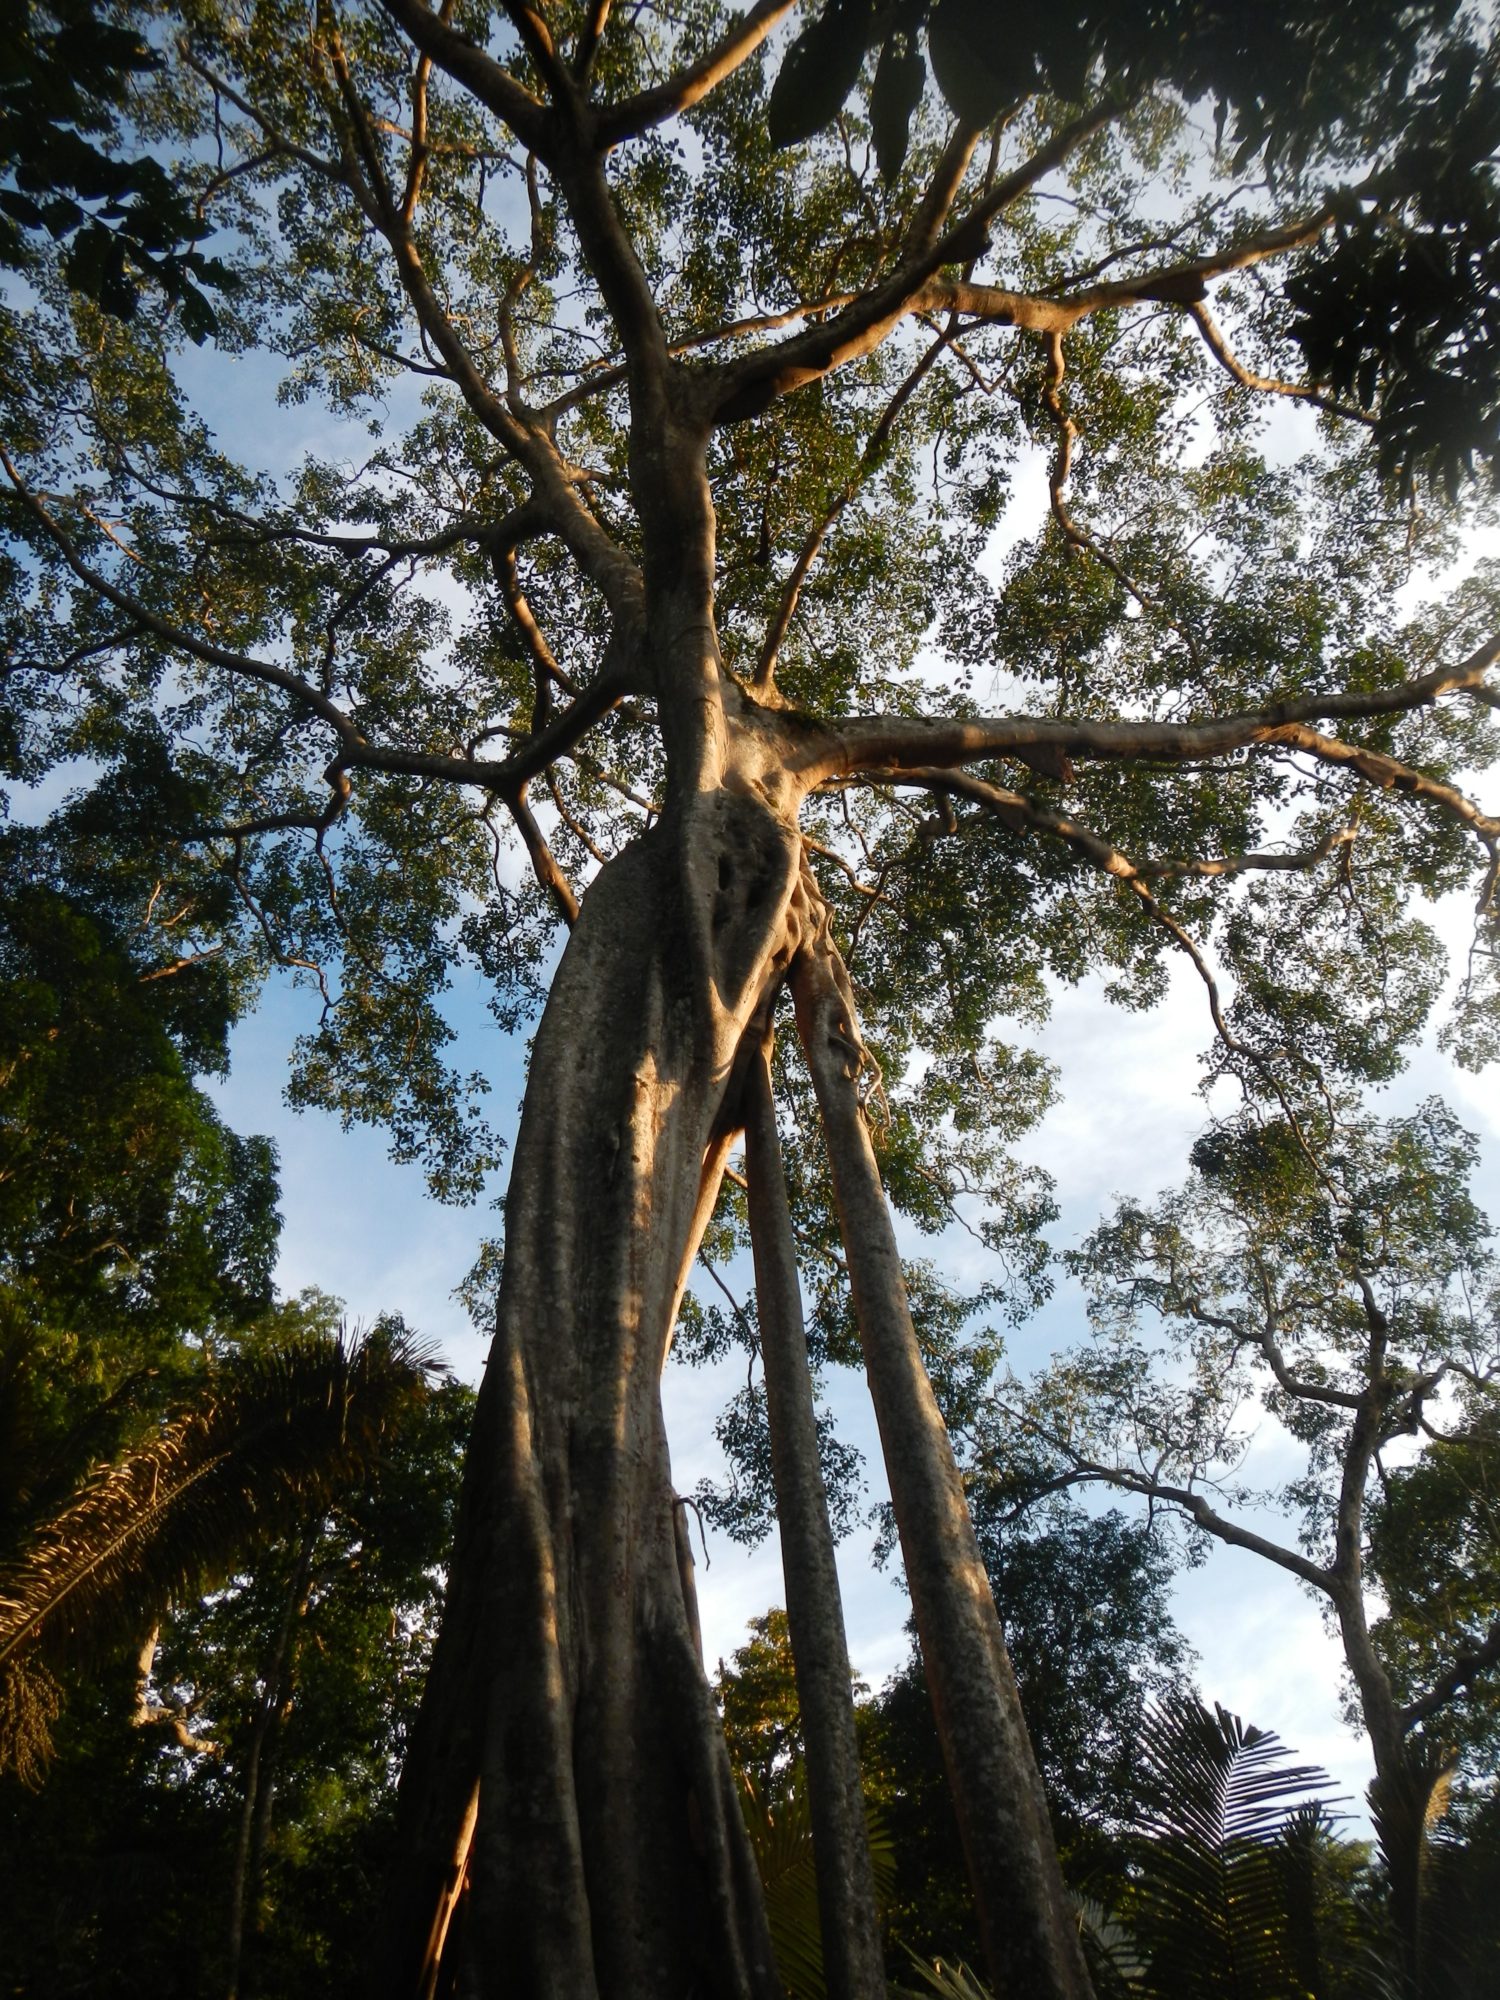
(1334, 1272)
(715, 434)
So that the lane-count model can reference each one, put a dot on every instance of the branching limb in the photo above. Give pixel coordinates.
(747, 385)
(895, 743)
(476, 70)
(302, 691)
(589, 38)
(543, 861)
(764, 677)
(532, 636)
(1079, 1469)
(604, 693)
(1026, 814)
(1303, 392)
(635, 115)
(600, 556)
(1465, 1670)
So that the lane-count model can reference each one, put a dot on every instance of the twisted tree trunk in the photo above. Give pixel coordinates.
(608, 1854)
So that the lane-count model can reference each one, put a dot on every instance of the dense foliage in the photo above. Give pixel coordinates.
(785, 519)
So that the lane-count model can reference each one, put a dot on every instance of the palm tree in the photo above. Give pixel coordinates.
(272, 1435)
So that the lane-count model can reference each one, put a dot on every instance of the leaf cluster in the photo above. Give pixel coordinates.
(67, 71)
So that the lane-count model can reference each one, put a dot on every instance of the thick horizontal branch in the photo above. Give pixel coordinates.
(1183, 283)
(894, 744)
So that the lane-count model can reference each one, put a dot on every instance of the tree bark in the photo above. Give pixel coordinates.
(852, 1959)
(260, 1767)
(1031, 1937)
(608, 1856)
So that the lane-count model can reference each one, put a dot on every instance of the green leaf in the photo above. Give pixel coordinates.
(899, 76)
(820, 69)
(980, 59)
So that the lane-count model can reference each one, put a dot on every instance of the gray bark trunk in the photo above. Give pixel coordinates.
(1031, 1936)
(608, 1855)
(852, 1960)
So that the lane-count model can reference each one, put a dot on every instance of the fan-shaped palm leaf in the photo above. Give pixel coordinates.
(1212, 1908)
(273, 1432)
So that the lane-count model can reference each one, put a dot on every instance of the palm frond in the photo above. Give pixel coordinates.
(274, 1432)
(1212, 1909)
(951, 1982)
(1110, 1951)
(30, 1702)
(781, 1839)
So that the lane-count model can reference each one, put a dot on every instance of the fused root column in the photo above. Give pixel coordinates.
(1031, 1938)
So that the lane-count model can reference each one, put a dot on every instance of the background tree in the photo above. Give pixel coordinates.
(130, 1868)
(1332, 1271)
(670, 588)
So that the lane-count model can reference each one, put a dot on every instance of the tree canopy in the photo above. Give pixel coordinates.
(765, 522)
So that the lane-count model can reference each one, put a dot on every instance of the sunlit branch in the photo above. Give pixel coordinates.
(589, 37)
(571, 821)
(894, 743)
(1181, 284)
(532, 636)
(543, 861)
(536, 38)
(634, 115)
(336, 777)
(1219, 347)
(1019, 810)
(1391, 774)
(416, 171)
(747, 384)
